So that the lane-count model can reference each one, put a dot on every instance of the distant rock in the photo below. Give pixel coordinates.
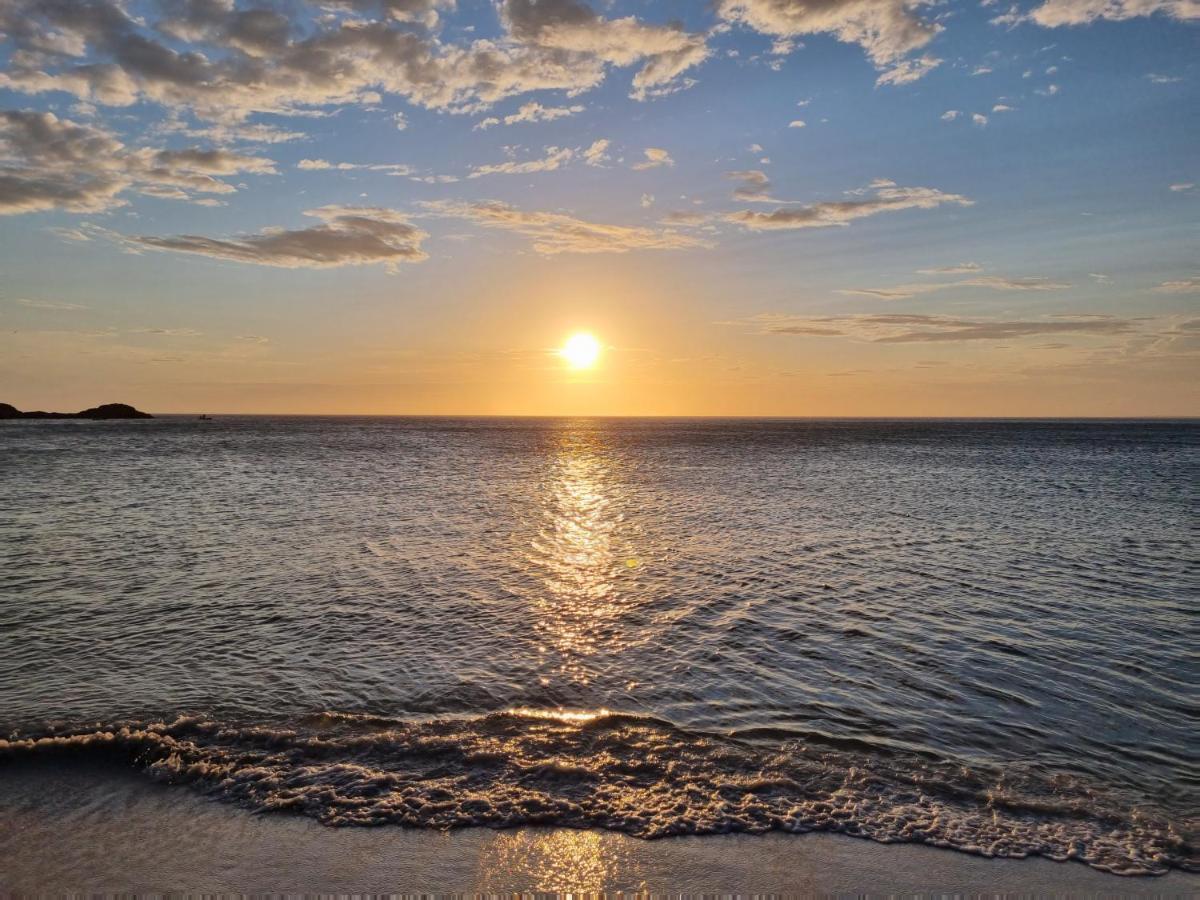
(113, 411)
(104, 411)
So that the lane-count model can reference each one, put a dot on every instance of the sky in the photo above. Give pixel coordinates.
(757, 207)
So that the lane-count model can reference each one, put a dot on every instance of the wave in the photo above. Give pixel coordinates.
(642, 776)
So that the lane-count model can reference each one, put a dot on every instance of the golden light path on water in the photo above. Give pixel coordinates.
(584, 558)
(581, 553)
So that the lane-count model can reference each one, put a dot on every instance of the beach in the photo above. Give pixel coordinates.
(71, 828)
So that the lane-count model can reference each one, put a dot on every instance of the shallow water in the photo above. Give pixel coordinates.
(973, 634)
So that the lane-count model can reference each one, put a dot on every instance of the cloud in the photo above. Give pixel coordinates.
(797, 123)
(597, 153)
(979, 119)
(554, 233)
(321, 165)
(906, 328)
(887, 30)
(887, 197)
(347, 236)
(1182, 286)
(1183, 186)
(655, 157)
(687, 218)
(1155, 78)
(50, 305)
(169, 332)
(951, 114)
(991, 282)
(1055, 13)
(1001, 108)
(753, 186)
(223, 62)
(530, 112)
(665, 51)
(957, 269)
(51, 163)
(647, 201)
(555, 158)
(908, 70)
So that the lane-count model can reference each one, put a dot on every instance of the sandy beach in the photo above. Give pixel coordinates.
(70, 828)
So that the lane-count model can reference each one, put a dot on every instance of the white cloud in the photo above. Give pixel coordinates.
(530, 112)
(797, 123)
(597, 153)
(318, 165)
(655, 157)
(909, 70)
(1055, 13)
(555, 158)
(887, 30)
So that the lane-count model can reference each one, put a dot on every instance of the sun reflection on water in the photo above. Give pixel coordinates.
(583, 556)
(567, 716)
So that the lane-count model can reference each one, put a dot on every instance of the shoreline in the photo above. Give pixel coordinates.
(71, 827)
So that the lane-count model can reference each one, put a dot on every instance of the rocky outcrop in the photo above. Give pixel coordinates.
(104, 411)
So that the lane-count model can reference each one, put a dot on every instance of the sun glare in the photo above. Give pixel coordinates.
(581, 350)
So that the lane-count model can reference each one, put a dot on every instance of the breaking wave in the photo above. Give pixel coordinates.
(641, 776)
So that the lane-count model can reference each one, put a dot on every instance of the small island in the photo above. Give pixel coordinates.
(104, 411)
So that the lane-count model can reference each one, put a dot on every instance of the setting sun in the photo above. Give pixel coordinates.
(581, 350)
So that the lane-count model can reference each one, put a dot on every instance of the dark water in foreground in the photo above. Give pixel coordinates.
(977, 635)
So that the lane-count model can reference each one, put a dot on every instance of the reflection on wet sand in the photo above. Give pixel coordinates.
(557, 861)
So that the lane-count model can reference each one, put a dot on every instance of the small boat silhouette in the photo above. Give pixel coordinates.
(205, 418)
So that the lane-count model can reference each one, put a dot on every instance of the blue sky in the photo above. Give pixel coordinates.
(759, 206)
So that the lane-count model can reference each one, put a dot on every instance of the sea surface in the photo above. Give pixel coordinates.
(976, 635)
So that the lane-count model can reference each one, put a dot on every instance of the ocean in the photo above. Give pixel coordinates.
(978, 635)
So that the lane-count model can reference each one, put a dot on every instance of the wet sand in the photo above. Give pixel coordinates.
(75, 828)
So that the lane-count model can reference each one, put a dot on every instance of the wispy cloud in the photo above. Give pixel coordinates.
(555, 158)
(553, 232)
(347, 236)
(991, 282)
(529, 112)
(902, 328)
(886, 196)
(1180, 286)
(53, 305)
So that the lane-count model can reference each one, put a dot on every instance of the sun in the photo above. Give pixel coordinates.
(581, 350)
